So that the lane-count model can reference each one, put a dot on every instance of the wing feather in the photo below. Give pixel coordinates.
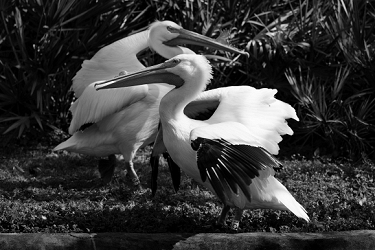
(230, 168)
(204, 105)
(261, 115)
(110, 60)
(93, 105)
(107, 63)
(234, 132)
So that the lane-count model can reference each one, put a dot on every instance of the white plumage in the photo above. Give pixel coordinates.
(124, 119)
(246, 126)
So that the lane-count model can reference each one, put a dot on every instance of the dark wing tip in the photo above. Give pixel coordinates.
(195, 144)
(230, 167)
(201, 152)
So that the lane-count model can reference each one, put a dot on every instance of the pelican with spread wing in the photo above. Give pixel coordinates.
(231, 153)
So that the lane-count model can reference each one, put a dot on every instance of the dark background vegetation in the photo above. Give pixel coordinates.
(319, 55)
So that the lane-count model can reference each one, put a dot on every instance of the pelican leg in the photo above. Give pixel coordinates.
(175, 172)
(107, 168)
(237, 218)
(131, 174)
(223, 215)
(154, 162)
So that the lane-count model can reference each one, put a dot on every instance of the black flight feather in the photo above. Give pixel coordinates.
(230, 167)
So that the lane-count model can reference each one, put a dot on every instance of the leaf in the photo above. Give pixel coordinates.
(21, 122)
(19, 25)
(38, 120)
(223, 37)
(65, 8)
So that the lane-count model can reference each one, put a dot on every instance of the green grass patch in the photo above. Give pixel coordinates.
(42, 191)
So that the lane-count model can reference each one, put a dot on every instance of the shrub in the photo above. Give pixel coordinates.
(318, 54)
(333, 82)
(43, 44)
(320, 57)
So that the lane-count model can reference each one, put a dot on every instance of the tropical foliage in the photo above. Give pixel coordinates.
(43, 44)
(318, 54)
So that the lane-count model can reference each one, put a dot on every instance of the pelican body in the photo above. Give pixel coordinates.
(231, 153)
(125, 119)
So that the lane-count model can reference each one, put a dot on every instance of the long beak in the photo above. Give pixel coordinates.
(154, 74)
(190, 37)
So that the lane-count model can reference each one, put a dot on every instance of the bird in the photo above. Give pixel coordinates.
(232, 152)
(122, 121)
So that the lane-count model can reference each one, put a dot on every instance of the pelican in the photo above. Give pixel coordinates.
(125, 119)
(231, 153)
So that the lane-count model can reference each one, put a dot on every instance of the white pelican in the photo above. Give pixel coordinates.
(230, 153)
(125, 119)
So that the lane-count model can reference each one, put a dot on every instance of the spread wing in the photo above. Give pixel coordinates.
(231, 167)
(254, 112)
(238, 141)
(204, 105)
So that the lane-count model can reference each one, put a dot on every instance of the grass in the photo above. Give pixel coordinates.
(41, 191)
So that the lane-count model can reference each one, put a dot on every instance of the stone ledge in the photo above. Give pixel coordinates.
(362, 239)
(356, 240)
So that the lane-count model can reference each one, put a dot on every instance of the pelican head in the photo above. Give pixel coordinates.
(165, 36)
(176, 71)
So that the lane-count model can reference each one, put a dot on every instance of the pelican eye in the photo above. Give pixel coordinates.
(176, 61)
(171, 63)
(172, 29)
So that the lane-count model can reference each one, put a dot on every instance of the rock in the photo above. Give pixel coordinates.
(85, 241)
(363, 239)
